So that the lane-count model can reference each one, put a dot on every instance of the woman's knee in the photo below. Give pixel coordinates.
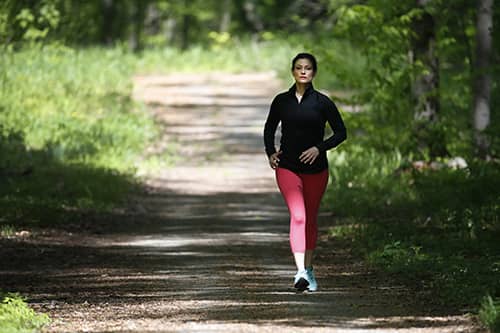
(298, 219)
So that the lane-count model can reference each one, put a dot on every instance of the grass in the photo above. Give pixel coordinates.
(234, 55)
(17, 317)
(7, 231)
(337, 61)
(489, 313)
(70, 135)
(436, 229)
(72, 104)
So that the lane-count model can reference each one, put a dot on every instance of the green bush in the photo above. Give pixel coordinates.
(365, 180)
(17, 317)
(489, 314)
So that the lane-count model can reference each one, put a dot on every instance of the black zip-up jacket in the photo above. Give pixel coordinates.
(302, 127)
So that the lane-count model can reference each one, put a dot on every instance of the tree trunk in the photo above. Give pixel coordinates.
(138, 16)
(426, 82)
(252, 16)
(482, 77)
(425, 87)
(186, 22)
(169, 26)
(108, 17)
(152, 20)
(226, 15)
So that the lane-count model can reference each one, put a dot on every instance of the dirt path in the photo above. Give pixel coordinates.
(205, 248)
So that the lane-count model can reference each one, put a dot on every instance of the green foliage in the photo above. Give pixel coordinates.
(398, 257)
(383, 76)
(431, 224)
(17, 317)
(385, 35)
(36, 25)
(437, 227)
(370, 183)
(365, 180)
(7, 231)
(341, 66)
(235, 55)
(28, 22)
(75, 105)
(68, 126)
(153, 23)
(489, 314)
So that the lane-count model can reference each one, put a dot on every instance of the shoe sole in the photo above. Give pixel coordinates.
(301, 285)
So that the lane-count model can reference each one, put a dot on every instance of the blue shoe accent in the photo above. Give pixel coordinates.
(300, 281)
(313, 284)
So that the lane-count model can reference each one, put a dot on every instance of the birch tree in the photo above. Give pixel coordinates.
(482, 77)
(425, 87)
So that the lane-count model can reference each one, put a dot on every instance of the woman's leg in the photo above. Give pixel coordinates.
(314, 186)
(290, 186)
(300, 261)
(308, 257)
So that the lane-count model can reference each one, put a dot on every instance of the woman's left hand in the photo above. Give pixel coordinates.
(309, 155)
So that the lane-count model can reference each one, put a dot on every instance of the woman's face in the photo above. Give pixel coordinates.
(303, 71)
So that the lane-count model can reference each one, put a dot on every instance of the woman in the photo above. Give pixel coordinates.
(301, 164)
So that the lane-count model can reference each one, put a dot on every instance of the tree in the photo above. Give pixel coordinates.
(425, 88)
(108, 18)
(252, 16)
(225, 20)
(482, 77)
(138, 17)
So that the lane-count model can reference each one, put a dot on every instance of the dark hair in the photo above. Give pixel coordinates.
(307, 56)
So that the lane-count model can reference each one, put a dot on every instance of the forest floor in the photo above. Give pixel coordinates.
(204, 247)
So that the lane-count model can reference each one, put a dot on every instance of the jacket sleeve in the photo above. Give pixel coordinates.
(333, 117)
(270, 126)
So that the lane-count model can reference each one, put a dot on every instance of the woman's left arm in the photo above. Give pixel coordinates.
(334, 118)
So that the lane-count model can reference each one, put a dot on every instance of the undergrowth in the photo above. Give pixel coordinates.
(436, 228)
(69, 132)
(234, 56)
(17, 317)
(489, 313)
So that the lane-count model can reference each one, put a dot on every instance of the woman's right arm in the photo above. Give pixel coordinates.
(270, 126)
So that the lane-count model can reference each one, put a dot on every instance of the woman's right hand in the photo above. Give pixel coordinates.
(274, 159)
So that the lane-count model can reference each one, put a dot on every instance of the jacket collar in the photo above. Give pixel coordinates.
(309, 89)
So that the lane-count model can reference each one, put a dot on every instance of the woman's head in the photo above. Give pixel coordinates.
(304, 67)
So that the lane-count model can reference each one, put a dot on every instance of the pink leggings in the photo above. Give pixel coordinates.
(302, 193)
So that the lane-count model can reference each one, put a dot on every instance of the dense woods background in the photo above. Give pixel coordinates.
(439, 56)
(417, 184)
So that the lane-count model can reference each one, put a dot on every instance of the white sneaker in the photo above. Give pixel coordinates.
(300, 281)
(313, 284)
